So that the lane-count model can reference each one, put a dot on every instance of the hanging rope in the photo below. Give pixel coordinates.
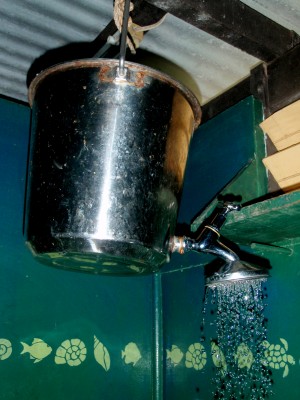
(135, 31)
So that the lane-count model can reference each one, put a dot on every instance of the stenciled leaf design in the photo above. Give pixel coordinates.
(101, 354)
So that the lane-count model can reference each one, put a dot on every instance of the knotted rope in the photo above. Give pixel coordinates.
(135, 31)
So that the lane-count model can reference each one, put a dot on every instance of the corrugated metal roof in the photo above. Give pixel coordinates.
(205, 64)
(284, 12)
(28, 28)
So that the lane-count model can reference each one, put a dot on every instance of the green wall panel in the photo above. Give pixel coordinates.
(220, 149)
(282, 311)
(67, 310)
(183, 279)
(183, 294)
(63, 310)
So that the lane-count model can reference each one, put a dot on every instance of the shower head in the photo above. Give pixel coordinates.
(236, 270)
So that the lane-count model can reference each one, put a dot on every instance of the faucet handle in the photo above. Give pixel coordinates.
(228, 207)
(220, 216)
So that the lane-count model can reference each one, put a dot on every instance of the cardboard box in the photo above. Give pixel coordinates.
(285, 167)
(283, 127)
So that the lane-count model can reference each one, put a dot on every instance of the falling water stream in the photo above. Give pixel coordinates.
(238, 351)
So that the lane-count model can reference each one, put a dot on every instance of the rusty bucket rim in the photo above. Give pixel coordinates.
(92, 63)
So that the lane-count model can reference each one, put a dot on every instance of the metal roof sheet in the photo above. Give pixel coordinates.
(208, 66)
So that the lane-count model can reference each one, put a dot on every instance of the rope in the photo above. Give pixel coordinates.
(135, 31)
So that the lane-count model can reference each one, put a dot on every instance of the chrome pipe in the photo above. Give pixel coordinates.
(209, 241)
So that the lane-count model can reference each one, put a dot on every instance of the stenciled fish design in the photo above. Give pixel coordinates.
(38, 350)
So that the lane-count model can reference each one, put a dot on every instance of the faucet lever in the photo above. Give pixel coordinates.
(231, 206)
(224, 209)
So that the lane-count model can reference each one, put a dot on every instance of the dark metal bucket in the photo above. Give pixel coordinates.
(106, 165)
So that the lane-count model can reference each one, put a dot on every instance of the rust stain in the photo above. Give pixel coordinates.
(103, 74)
(139, 82)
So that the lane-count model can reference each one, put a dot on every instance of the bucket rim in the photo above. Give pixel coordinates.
(94, 63)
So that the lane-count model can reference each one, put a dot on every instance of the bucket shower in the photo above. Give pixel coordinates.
(108, 151)
(106, 167)
(107, 161)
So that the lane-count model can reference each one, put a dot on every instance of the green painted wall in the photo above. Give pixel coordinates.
(66, 310)
(57, 306)
(220, 150)
(282, 311)
(183, 293)
(183, 280)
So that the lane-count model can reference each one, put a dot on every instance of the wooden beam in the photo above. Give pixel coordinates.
(275, 84)
(235, 23)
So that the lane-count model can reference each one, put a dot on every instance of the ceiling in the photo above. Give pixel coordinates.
(196, 43)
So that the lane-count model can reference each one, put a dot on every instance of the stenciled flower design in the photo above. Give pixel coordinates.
(71, 352)
(195, 356)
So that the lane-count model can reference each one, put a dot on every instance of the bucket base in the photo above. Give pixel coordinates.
(100, 256)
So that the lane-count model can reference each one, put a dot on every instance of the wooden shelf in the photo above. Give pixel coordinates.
(269, 221)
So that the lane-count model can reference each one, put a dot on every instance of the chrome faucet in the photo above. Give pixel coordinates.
(209, 239)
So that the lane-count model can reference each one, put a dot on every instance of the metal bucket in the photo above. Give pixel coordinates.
(106, 165)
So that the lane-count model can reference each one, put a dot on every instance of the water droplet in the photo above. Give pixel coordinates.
(240, 321)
